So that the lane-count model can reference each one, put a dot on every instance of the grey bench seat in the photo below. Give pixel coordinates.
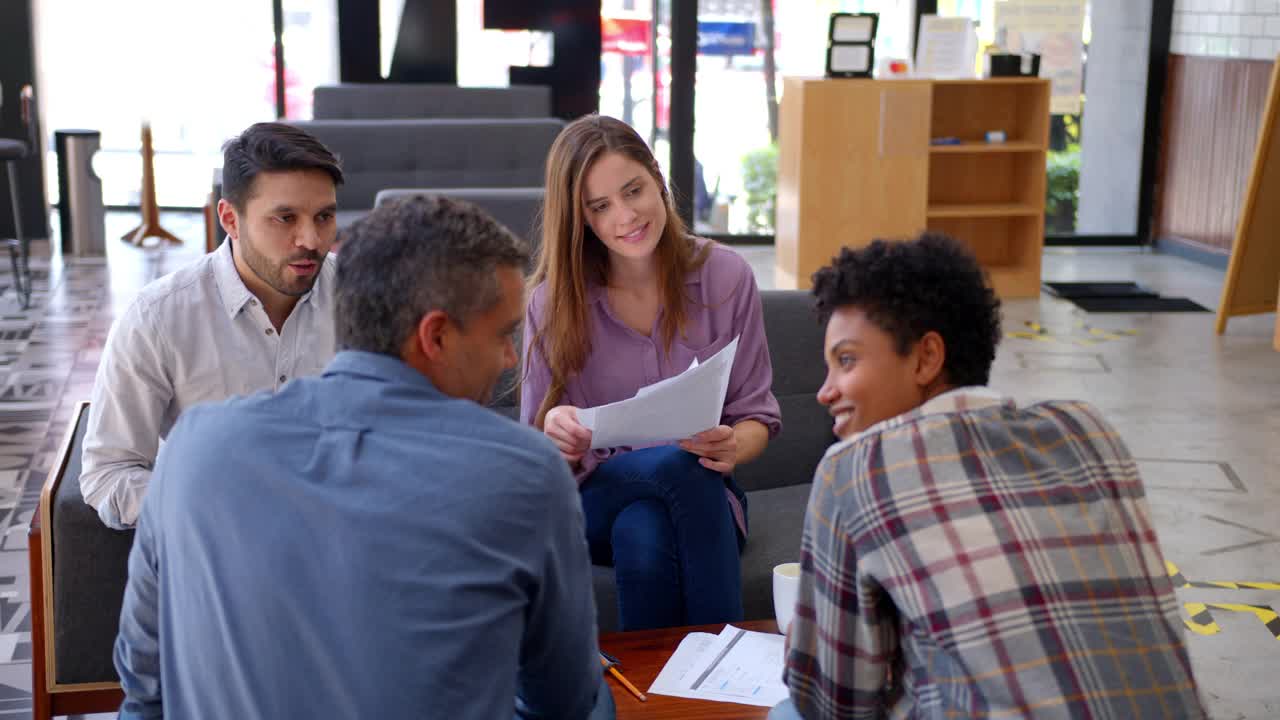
(386, 101)
(449, 153)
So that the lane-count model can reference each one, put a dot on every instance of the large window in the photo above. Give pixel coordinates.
(635, 68)
(1095, 167)
(1095, 147)
(197, 72)
(485, 57)
(735, 143)
(310, 53)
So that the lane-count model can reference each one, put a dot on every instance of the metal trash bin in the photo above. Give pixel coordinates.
(80, 210)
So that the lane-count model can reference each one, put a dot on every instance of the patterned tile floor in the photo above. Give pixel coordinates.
(1202, 414)
(48, 356)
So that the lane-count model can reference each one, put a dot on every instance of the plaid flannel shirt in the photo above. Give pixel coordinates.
(975, 559)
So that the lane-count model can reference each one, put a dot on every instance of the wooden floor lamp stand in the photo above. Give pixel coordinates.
(150, 226)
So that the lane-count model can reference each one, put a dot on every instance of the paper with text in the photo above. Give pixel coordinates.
(737, 666)
(672, 409)
(947, 48)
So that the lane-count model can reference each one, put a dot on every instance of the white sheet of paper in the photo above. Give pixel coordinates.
(851, 58)
(948, 47)
(674, 675)
(737, 666)
(672, 409)
(663, 383)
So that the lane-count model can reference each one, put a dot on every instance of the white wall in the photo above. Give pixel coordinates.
(1227, 28)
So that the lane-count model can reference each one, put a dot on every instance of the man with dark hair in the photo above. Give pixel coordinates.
(253, 314)
(963, 556)
(398, 549)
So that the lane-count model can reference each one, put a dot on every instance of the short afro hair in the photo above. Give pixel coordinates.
(910, 287)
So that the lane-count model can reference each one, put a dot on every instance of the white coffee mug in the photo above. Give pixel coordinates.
(786, 580)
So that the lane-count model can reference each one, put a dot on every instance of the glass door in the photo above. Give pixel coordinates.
(635, 76)
(204, 73)
(1098, 112)
(745, 49)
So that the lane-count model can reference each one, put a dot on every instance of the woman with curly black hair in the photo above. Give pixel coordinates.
(917, 319)
(964, 556)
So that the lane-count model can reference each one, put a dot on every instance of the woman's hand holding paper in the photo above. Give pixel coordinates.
(718, 448)
(572, 439)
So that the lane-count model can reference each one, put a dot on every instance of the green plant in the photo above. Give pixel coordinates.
(760, 181)
(1063, 189)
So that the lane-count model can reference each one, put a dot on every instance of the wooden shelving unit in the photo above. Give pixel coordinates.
(972, 147)
(982, 210)
(856, 163)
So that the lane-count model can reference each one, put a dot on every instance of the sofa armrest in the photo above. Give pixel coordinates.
(88, 569)
(50, 694)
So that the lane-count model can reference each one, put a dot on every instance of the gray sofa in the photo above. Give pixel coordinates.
(90, 569)
(385, 101)
(89, 560)
(517, 208)
(381, 154)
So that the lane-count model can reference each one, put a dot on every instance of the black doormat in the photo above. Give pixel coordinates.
(1072, 290)
(1137, 305)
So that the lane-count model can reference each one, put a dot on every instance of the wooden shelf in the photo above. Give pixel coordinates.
(1012, 281)
(995, 210)
(855, 162)
(980, 146)
(1009, 80)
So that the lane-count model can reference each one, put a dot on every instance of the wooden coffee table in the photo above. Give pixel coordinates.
(642, 655)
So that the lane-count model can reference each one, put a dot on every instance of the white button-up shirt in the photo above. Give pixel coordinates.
(196, 335)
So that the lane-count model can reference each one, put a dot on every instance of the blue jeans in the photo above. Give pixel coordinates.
(664, 524)
(785, 710)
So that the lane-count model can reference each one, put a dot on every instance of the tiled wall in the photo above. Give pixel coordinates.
(1227, 28)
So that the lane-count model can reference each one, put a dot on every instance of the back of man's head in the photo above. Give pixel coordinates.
(911, 287)
(271, 147)
(413, 256)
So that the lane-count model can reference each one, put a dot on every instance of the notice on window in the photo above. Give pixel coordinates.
(1055, 30)
(948, 47)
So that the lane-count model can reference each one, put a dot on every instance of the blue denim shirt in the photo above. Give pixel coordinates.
(358, 545)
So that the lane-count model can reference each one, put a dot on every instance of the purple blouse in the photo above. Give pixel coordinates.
(723, 303)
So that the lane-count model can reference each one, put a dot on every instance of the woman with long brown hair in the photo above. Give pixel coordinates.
(622, 298)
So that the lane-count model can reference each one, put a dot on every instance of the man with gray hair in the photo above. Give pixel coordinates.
(372, 542)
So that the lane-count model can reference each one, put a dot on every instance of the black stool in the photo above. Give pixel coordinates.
(11, 152)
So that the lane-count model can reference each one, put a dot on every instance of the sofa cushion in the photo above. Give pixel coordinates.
(795, 342)
(346, 217)
(606, 591)
(777, 520)
(385, 101)
(380, 154)
(90, 569)
(517, 208)
(793, 455)
(795, 348)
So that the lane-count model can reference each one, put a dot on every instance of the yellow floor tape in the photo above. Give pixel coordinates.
(1180, 580)
(1092, 335)
(1201, 620)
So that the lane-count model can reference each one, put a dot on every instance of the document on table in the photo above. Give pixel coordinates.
(738, 666)
(673, 409)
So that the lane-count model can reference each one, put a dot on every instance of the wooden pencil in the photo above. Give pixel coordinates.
(625, 683)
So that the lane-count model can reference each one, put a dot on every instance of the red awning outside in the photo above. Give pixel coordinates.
(625, 35)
